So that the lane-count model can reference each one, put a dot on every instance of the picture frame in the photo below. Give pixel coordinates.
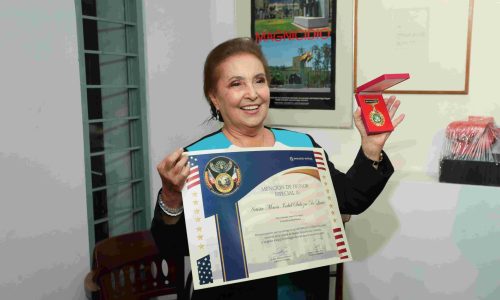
(297, 38)
(341, 115)
(411, 37)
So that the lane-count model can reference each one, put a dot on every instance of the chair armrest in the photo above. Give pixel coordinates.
(91, 288)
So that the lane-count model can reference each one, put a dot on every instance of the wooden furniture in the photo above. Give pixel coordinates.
(338, 273)
(129, 266)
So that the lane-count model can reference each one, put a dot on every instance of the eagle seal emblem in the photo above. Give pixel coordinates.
(222, 176)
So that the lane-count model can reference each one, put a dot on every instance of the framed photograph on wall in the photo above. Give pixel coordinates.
(300, 39)
(429, 39)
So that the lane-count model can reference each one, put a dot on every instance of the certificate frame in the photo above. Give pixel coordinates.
(247, 220)
(341, 116)
(399, 39)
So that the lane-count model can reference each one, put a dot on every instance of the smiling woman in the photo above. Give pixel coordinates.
(236, 85)
(242, 98)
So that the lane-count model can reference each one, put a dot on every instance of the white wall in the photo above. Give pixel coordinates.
(43, 227)
(425, 240)
(415, 241)
(179, 35)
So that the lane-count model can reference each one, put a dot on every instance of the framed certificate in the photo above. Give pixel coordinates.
(260, 212)
(419, 37)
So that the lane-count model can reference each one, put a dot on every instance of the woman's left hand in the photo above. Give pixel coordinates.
(372, 144)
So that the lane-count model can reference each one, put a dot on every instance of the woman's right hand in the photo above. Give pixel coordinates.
(173, 171)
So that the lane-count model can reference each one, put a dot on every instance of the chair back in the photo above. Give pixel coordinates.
(129, 266)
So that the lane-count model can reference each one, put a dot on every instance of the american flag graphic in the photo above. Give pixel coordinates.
(194, 174)
(339, 239)
(205, 270)
(320, 162)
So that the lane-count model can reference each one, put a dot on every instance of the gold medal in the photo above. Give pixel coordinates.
(222, 176)
(224, 183)
(376, 117)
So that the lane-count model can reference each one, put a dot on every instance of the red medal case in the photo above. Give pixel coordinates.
(373, 109)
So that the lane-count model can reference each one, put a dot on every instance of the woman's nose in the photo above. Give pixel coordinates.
(252, 92)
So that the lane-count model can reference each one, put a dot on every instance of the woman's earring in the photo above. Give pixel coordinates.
(219, 117)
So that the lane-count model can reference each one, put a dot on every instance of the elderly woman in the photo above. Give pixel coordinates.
(236, 85)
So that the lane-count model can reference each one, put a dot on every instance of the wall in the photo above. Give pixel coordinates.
(43, 226)
(425, 240)
(179, 35)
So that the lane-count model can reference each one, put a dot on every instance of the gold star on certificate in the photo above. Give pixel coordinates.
(199, 228)
(196, 211)
(329, 198)
(195, 202)
(327, 191)
(197, 219)
(194, 194)
(200, 237)
(201, 246)
(331, 205)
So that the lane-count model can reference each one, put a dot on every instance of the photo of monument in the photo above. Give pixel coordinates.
(299, 64)
(290, 15)
(298, 40)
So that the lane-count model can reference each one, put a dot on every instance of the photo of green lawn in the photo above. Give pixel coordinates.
(273, 25)
(282, 15)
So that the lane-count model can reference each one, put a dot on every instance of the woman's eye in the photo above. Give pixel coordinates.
(235, 83)
(261, 80)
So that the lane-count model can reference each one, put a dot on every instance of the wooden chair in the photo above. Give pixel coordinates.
(338, 273)
(129, 266)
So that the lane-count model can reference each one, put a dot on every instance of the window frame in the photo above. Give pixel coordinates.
(140, 164)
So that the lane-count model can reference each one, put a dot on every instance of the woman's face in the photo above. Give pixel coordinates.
(242, 92)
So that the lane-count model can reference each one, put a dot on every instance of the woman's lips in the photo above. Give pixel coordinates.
(250, 107)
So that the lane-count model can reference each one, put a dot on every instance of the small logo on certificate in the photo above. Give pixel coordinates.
(222, 176)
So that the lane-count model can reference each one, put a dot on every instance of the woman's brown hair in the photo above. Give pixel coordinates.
(218, 55)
